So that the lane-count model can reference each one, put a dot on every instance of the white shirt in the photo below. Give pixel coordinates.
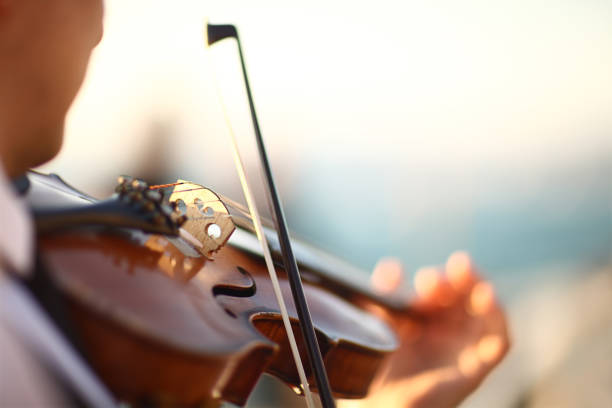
(22, 380)
(28, 339)
(16, 229)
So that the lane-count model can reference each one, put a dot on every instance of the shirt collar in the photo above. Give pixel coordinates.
(16, 229)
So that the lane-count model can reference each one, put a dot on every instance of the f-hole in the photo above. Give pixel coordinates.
(235, 290)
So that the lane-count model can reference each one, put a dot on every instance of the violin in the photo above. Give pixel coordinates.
(161, 323)
(171, 303)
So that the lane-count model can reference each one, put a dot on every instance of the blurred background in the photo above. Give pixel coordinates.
(410, 129)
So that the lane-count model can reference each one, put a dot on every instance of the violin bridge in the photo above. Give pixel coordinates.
(208, 219)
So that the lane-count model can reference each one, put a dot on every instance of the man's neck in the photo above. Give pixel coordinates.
(23, 146)
(8, 169)
(7, 158)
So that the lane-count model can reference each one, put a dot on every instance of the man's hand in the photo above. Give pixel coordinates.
(458, 335)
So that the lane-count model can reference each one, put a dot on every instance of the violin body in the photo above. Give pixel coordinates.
(161, 324)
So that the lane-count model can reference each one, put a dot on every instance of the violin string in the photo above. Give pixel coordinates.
(158, 186)
(264, 244)
(234, 204)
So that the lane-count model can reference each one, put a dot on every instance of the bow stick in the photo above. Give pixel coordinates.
(216, 33)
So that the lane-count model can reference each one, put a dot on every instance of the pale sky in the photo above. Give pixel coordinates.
(392, 81)
(408, 109)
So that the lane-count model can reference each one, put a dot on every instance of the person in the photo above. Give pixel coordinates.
(45, 47)
(44, 51)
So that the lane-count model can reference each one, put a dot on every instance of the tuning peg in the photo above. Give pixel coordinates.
(159, 219)
(154, 195)
(134, 196)
(123, 179)
(139, 185)
(148, 206)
